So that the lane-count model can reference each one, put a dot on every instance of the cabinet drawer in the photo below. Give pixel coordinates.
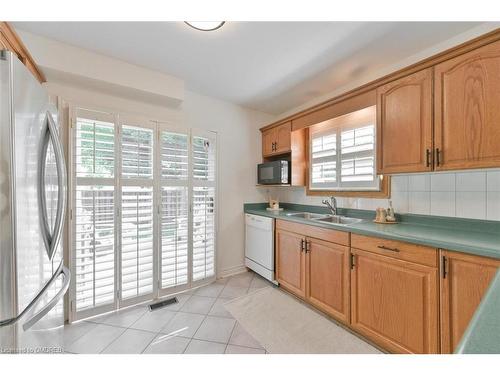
(330, 235)
(395, 249)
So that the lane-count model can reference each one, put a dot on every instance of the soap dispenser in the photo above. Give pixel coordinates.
(391, 216)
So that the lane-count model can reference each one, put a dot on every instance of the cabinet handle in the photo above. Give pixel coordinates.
(352, 261)
(444, 264)
(395, 249)
(302, 245)
(308, 246)
(428, 158)
(274, 146)
(438, 156)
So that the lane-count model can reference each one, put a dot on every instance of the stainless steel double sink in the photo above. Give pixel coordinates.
(325, 218)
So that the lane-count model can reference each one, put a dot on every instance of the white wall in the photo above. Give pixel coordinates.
(239, 152)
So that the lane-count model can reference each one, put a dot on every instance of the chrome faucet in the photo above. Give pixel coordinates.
(332, 205)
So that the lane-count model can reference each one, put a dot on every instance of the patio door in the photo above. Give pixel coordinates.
(143, 210)
(187, 186)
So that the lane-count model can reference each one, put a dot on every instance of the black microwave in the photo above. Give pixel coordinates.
(273, 173)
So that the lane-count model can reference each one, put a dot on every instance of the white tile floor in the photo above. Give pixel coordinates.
(198, 323)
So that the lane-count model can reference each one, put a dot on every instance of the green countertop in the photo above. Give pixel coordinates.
(483, 333)
(477, 237)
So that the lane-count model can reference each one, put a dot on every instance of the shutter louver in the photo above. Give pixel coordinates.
(94, 226)
(324, 159)
(137, 212)
(174, 228)
(174, 156)
(204, 205)
(137, 241)
(203, 232)
(94, 154)
(137, 152)
(174, 236)
(203, 159)
(342, 153)
(95, 250)
(358, 159)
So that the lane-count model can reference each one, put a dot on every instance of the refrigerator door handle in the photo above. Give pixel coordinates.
(51, 240)
(62, 270)
(67, 277)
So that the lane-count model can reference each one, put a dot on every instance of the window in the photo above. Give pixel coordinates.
(342, 153)
(143, 210)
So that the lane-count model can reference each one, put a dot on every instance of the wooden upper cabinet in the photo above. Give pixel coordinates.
(277, 140)
(467, 111)
(395, 303)
(283, 138)
(290, 262)
(9, 40)
(464, 281)
(404, 124)
(327, 278)
(268, 138)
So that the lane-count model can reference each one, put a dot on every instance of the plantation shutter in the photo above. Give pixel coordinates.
(94, 223)
(342, 153)
(137, 207)
(324, 159)
(357, 156)
(174, 221)
(203, 155)
(143, 210)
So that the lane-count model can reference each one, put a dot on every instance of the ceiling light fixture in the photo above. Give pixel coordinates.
(205, 25)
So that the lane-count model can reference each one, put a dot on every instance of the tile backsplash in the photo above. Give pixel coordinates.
(467, 194)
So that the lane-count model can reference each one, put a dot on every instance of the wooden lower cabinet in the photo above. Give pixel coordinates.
(465, 279)
(395, 303)
(290, 262)
(327, 278)
(405, 298)
(314, 269)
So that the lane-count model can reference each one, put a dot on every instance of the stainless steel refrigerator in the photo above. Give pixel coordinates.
(33, 184)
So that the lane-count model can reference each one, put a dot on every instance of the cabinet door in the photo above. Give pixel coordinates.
(464, 280)
(268, 139)
(467, 114)
(327, 277)
(283, 138)
(290, 262)
(404, 124)
(395, 303)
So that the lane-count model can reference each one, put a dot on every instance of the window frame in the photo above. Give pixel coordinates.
(335, 126)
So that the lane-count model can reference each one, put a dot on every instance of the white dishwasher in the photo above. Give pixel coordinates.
(259, 245)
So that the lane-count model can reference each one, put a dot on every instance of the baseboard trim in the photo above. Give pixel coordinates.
(231, 271)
